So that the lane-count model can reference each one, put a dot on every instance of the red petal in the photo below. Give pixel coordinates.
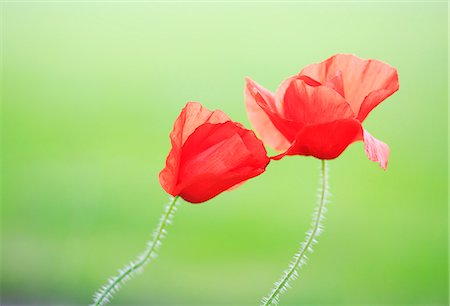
(206, 186)
(325, 141)
(312, 105)
(168, 175)
(366, 83)
(192, 116)
(258, 102)
(376, 150)
(215, 158)
(337, 83)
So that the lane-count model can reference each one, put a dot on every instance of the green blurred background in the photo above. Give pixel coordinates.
(90, 92)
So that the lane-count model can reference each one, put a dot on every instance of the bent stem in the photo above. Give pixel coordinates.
(299, 258)
(105, 293)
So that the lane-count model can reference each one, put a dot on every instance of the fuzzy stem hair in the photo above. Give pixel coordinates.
(299, 259)
(106, 293)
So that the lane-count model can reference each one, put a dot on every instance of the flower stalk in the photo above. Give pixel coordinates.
(299, 259)
(105, 293)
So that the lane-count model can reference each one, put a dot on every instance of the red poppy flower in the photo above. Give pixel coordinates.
(210, 154)
(319, 111)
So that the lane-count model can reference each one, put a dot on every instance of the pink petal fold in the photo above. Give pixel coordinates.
(259, 101)
(376, 150)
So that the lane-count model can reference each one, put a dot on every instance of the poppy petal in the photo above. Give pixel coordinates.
(225, 156)
(258, 102)
(219, 147)
(206, 186)
(313, 105)
(337, 83)
(376, 150)
(376, 97)
(366, 83)
(168, 175)
(325, 141)
(191, 117)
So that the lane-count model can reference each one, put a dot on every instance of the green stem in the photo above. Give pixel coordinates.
(105, 294)
(299, 258)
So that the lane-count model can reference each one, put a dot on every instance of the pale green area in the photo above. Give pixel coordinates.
(90, 94)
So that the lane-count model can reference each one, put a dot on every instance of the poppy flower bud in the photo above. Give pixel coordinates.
(210, 154)
(319, 112)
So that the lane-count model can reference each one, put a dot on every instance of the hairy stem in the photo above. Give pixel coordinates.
(105, 293)
(299, 258)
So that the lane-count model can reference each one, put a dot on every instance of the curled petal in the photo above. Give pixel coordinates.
(191, 117)
(366, 83)
(375, 98)
(217, 157)
(210, 154)
(325, 141)
(281, 91)
(314, 104)
(337, 83)
(260, 103)
(376, 150)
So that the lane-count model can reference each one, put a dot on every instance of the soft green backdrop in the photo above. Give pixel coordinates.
(90, 92)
